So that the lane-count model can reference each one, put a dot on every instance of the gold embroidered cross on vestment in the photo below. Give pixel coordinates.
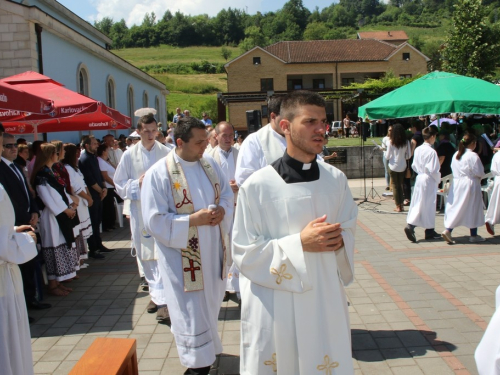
(281, 274)
(272, 363)
(327, 366)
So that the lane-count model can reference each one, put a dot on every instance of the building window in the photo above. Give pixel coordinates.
(157, 107)
(145, 99)
(403, 76)
(319, 83)
(130, 101)
(347, 81)
(256, 60)
(266, 84)
(406, 56)
(110, 91)
(264, 111)
(294, 84)
(83, 80)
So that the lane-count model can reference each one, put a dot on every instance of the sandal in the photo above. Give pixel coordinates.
(56, 291)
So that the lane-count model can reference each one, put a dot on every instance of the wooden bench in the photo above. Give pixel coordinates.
(108, 356)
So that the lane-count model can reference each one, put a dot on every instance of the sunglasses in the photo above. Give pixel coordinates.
(10, 145)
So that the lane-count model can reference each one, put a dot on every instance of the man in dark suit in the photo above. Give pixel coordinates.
(89, 166)
(25, 209)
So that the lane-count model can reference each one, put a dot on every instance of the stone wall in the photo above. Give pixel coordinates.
(354, 166)
(17, 44)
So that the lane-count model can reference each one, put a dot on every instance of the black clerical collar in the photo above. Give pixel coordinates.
(293, 171)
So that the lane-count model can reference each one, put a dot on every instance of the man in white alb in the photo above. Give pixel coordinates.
(262, 147)
(128, 183)
(293, 242)
(226, 155)
(187, 206)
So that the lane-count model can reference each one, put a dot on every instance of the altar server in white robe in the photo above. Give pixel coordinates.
(487, 353)
(262, 147)
(293, 241)
(464, 206)
(187, 206)
(226, 155)
(15, 248)
(493, 213)
(128, 183)
(422, 212)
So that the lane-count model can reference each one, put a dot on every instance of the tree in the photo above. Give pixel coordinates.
(226, 53)
(253, 37)
(316, 31)
(120, 35)
(470, 49)
(104, 25)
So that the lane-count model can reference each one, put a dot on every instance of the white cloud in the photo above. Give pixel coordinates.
(133, 11)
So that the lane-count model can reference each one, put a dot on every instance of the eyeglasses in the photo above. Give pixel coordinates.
(10, 145)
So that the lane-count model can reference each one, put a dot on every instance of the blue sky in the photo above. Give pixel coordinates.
(133, 10)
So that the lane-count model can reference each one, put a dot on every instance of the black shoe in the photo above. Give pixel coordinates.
(410, 234)
(198, 371)
(152, 308)
(227, 296)
(35, 305)
(96, 256)
(104, 249)
(144, 284)
(31, 320)
(432, 236)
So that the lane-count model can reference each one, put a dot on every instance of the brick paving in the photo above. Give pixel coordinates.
(415, 308)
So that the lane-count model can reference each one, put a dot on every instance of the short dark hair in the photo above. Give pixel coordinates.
(2, 129)
(419, 125)
(87, 140)
(101, 149)
(184, 126)
(21, 140)
(144, 120)
(274, 105)
(295, 99)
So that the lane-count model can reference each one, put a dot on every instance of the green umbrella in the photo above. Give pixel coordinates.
(436, 92)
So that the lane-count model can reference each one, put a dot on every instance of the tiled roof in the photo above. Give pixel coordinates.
(383, 35)
(318, 51)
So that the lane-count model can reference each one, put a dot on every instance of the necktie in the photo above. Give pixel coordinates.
(16, 171)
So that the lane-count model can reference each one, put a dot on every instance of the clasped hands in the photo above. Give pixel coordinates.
(28, 229)
(207, 217)
(319, 236)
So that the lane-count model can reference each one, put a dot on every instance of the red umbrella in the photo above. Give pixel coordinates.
(71, 111)
(16, 103)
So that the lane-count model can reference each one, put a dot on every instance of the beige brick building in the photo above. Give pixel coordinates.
(323, 66)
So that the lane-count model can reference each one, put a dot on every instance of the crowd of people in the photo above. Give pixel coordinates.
(214, 217)
(460, 153)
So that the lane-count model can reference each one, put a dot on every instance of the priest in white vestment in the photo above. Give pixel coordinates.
(487, 353)
(293, 241)
(128, 180)
(226, 155)
(187, 206)
(493, 213)
(422, 212)
(15, 248)
(464, 205)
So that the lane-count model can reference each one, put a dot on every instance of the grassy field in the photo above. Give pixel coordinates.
(169, 54)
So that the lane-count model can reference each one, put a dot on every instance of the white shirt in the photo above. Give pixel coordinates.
(104, 166)
(397, 157)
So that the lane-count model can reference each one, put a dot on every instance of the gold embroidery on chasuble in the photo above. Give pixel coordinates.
(327, 366)
(191, 258)
(281, 274)
(272, 363)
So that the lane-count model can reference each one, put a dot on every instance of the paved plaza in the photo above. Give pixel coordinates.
(415, 308)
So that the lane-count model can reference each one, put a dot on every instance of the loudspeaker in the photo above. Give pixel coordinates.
(253, 121)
